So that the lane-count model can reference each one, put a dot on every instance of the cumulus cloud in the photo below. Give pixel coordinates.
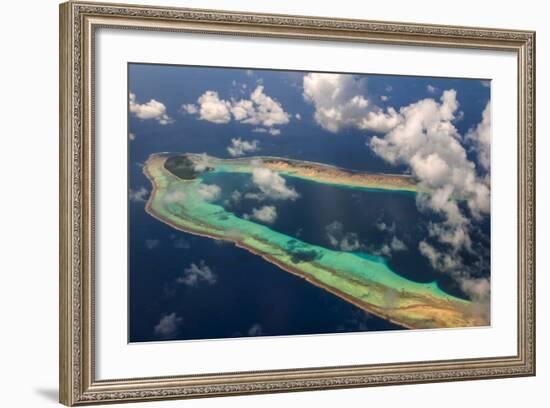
(150, 110)
(234, 198)
(397, 245)
(478, 289)
(349, 241)
(340, 102)
(212, 108)
(174, 197)
(267, 214)
(240, 147)
(168, 325)
(259, 110)
(201, 162)
(382, 226)
(271, 185)
(181, 243)
(209, 192)
(196, 274)
(429, 144)
(152, 243)
(422, 136)
(139, 195)
(338, 238)
(255, 330)
(480, 136)
(431, 89)
(131, 136)
(190, 108)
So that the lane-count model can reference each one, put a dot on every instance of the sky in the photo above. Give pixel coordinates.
(437, 129)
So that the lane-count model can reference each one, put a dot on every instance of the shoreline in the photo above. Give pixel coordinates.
(323, 173)
(285, 268)
(366, 307)
(273, 261)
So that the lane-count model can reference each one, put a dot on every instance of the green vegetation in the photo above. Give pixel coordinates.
(364, 280)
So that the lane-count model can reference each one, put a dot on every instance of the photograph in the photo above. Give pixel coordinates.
(270, 200)
(267, 202)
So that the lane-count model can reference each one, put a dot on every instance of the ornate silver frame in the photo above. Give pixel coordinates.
(78, 22)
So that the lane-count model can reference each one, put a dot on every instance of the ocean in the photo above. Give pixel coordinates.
(251, 296)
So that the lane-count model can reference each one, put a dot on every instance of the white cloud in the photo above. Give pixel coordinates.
(209, 192)
(298, 116)
(389, 88)
(213, 109)
(431, 89)
(382, 226)
(481, 138)
(255, 330)
(240, 147)
(271, 131)
(234, 198)
(174, 197)
(259, 110)
(397, 245)
(349, 241)
(139, 195)
(131, 136)
(168, 325)
(272, 185)
(195, 274)
(429, 144)
(384, 98)
(337, 99)
(190, 108)
(151, 243)
(150, 110)
(181, 243)
(249, 72)
(445, 262)
(477, 288)
(486, 84)
(267, 214)
(384, 250)
(338, 238)
(392, 245)
(201, 162)
(340, 102)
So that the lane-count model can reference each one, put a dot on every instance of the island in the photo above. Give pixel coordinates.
(361, 279)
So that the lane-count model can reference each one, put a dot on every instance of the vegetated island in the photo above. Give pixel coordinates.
(363, 280)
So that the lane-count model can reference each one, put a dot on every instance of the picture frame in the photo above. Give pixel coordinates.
(79, 23)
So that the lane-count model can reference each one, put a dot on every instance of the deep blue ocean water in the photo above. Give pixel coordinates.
(251, 296)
